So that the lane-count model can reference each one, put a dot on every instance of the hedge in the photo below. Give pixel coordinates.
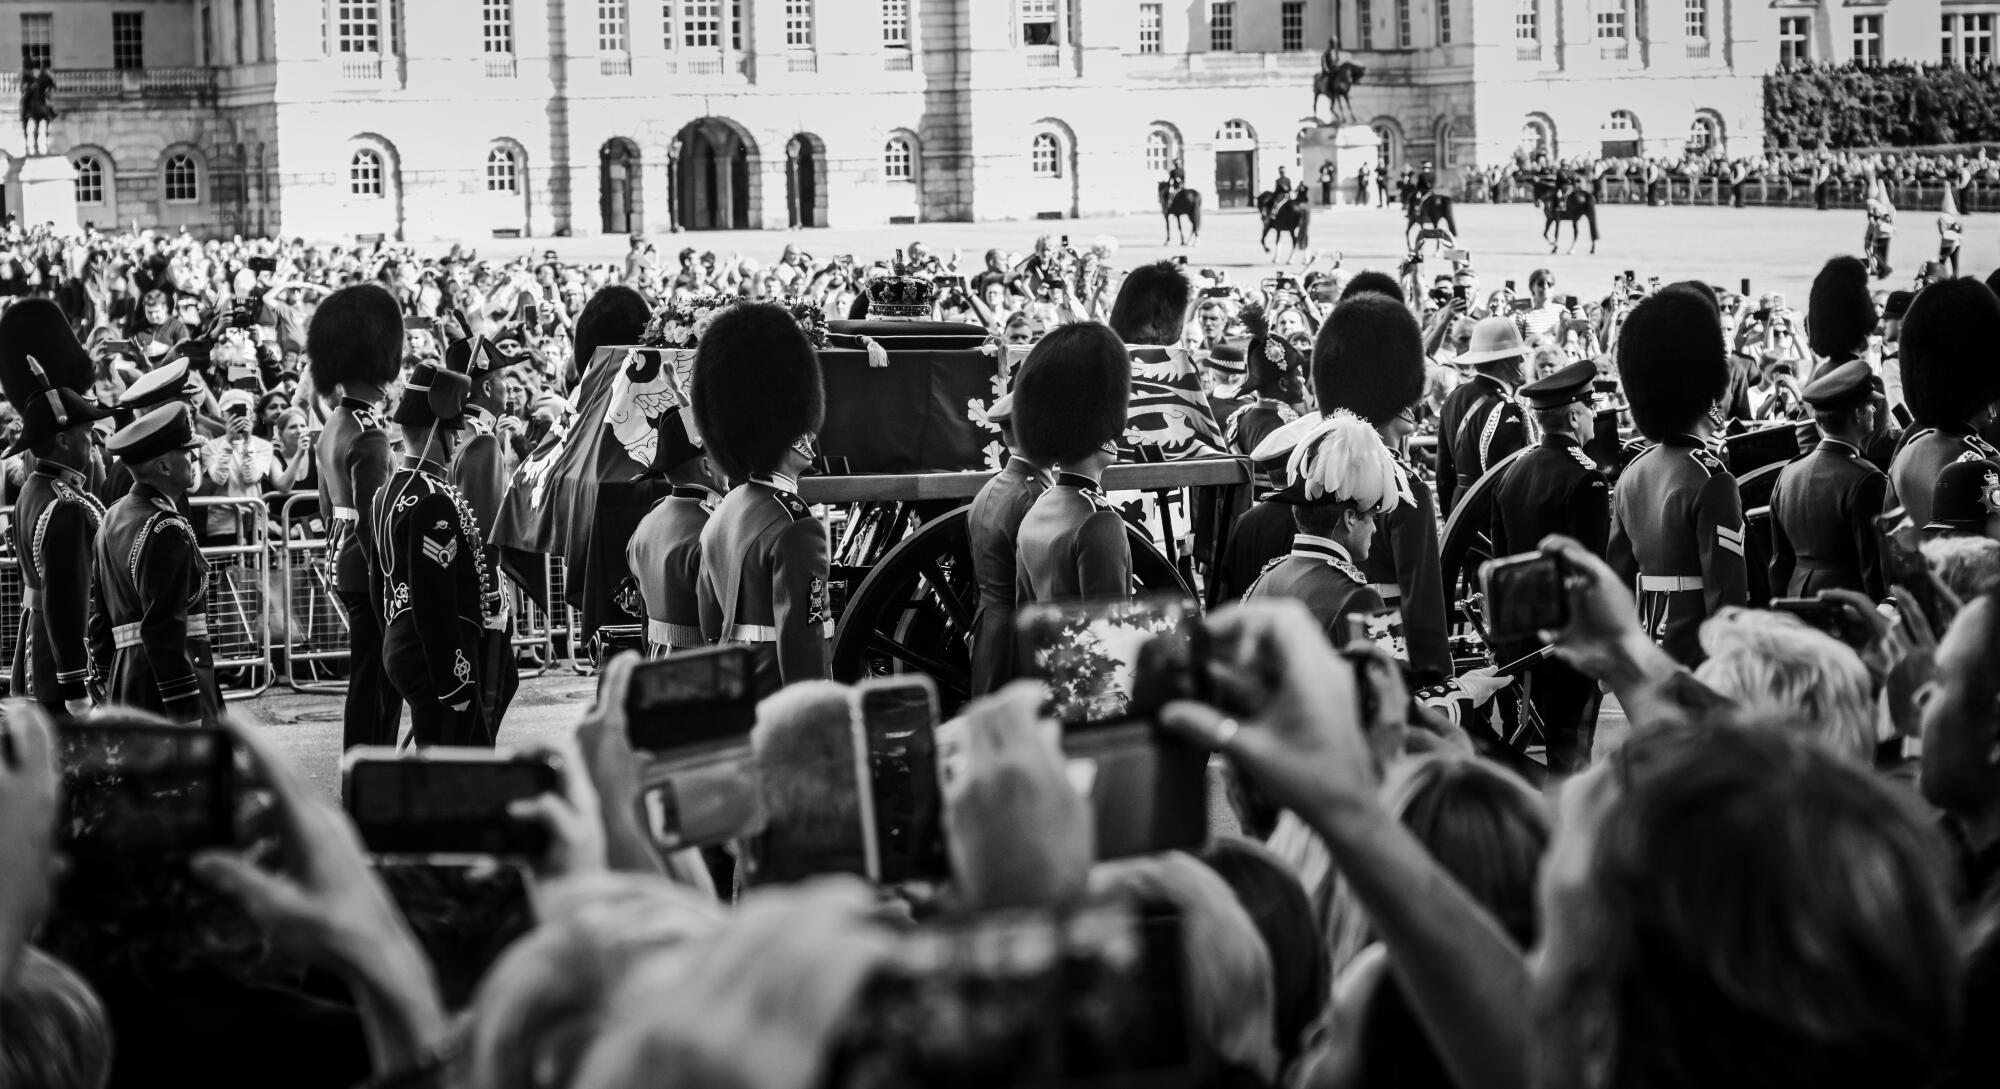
(1815, 107)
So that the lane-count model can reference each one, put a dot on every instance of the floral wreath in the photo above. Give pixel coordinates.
(680, 324)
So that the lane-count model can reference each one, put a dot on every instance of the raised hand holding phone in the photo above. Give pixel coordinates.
(1017, 831)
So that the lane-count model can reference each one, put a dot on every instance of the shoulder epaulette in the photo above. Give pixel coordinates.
(1980, 448)
(1229, 426)
(1707, 460)
(1582, 458)
(793, 505)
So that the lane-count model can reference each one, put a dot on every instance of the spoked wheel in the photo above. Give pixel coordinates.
(914, 611)
(1507, 728)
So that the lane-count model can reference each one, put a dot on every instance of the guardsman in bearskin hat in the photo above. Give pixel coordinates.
(433, 572)
(479, 471)
(759, 401)
(1951, 385)
(664, 553)
(1274, 375)
(1480, 423)
(1557, 488)
(1823, 510)
(1342, 476)
(355, 349)
(1369, 360)
(1070, 401)
(44, 371)
(993, 525)
(1677, 520)
(149, 616)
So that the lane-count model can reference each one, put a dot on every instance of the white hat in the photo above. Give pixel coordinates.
(1493, 339)
(1280, 443)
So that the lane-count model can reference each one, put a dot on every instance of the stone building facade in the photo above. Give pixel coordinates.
(426, 119)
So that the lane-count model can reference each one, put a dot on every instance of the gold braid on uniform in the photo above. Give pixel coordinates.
(93, 512)
(489, 588)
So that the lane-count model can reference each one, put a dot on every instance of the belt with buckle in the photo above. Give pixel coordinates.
(1669, 584)
(127, 635)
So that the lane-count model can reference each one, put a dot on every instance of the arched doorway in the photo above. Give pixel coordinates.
(1235, 164)
(805, 188)
(1620, 137)
(714, 167)
(618, 183)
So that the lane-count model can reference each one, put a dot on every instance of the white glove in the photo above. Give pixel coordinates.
(1482, 683)
(78, 707)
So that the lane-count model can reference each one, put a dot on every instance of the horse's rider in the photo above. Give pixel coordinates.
(1176, 178)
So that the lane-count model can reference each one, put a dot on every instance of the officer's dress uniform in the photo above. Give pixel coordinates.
(1072, 546)
(1405, 569)
(1555, 488)
(55, 526)
(1924, 454)
(664, 556)
(434, 583)
(1250, 424)
(1677, 537)
(764, 566)
(149, 622)
(354, 465)
(1478, 427)
(993, 525)
(478, 472)
(1823, 533)
(1318, 573)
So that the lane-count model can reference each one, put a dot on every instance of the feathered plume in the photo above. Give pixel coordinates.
(1950, 201)
(1255, 321)
(1343, 460)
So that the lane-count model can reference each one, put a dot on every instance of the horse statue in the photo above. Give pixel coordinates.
(1179, 204)
(1289, 214)
(1431, 211)
(1576, 204)
(1333, 82)
(36, 89)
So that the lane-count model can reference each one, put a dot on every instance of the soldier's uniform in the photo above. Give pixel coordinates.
(479, 472)
(1072, 546)
(664, 554)
(1318, 573)
(434, 582)
(1677, 538)
(1406, 570)
(1480, 422)
(764, 566)
(149, 608)
(1274, 373)
(1823, 510)
(993, 524)
(44, 373)
(354, 465)
(1556, 488)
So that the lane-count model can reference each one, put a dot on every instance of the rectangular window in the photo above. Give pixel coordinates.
(1402, 24)
(701, 24)
(1221, 26)
(1151, 16)
(736, 25)
(1528, 23)
(1794, 39)
(1967, 39)
(37, 40)
(1444, 22)
(1694, 20)
(1292, 26)
(896, 24)
(496, 26)
(1364, 23)
(1038, 22)
(611, 27)
(798, 24)
(359, 26)
(128, 40)
(1610, 20)
(1868, 39)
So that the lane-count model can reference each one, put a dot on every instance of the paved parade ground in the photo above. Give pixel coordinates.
(1776, 248)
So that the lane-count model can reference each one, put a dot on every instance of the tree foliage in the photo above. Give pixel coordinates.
(1834, 107)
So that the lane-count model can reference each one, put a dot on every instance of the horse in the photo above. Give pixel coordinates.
(1333, 84)
(1181, 204)
(1290, 216)
(1578, 204)
(1430, 210)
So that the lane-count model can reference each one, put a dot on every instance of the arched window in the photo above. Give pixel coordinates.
(1046, 156)
(364, 174)
(1621, 135)
(1538, 136)
(1235, 135)
(503, 170)
(898, 164)
(1705, 135)
(182, 178)
(1446, 134)
(1159, 151)
(89, 179)
(1388, 144)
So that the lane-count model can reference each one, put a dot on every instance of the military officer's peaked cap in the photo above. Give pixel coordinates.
(1565, 387)
(164, 429)
(159, 386)
(1848, 384)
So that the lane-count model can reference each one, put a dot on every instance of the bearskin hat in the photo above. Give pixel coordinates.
(1372, 280)
(1272, 367)
(1671, 360)
(1840, 312)
(1151, 305)
(757, 388)
(1949, 373)
(613, 317)
(38, 327)
(356, 335)
(1369, 358)
(1071, 394)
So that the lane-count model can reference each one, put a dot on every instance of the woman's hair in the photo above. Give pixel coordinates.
(1792, 675)
(53, 1030)
(1968, 566)
(1277, 905)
